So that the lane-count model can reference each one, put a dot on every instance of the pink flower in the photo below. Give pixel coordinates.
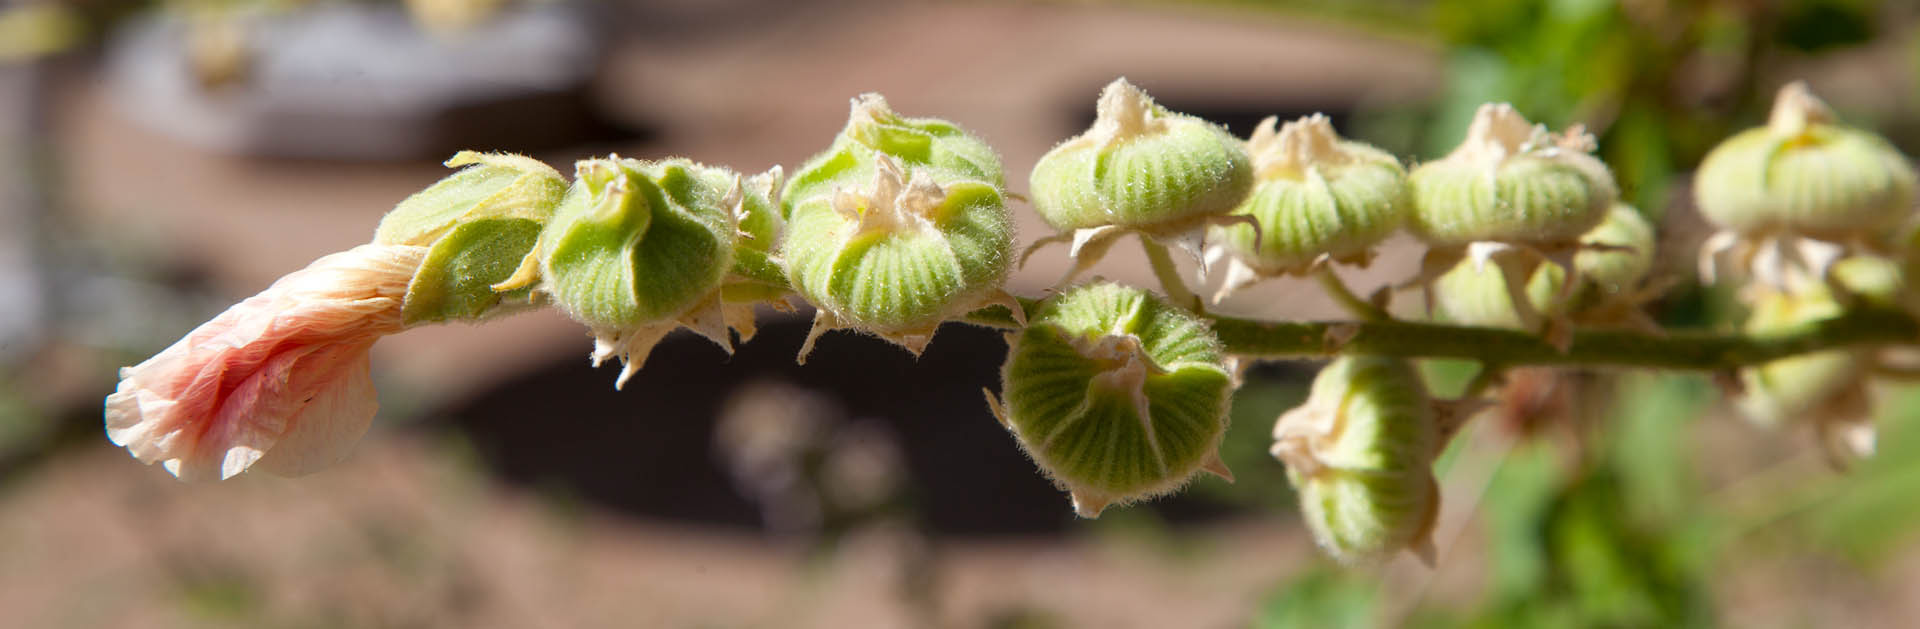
(279, 379)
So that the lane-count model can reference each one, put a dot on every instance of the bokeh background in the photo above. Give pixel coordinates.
(159, 161)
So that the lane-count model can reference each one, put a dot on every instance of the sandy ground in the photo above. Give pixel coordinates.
(404, 535)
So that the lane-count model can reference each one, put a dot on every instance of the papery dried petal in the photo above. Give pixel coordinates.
(286, 367)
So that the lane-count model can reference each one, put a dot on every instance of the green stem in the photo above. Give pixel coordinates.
(1676, 350)
(1169, 276)
(1685, 349)
(1338, 290)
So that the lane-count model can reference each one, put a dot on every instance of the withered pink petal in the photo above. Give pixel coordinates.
(286, 367)
(324, 431)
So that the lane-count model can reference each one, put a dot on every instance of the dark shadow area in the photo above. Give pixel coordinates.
(648, 450)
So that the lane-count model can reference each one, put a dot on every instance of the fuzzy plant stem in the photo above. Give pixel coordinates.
(1337, 289)
(1169, 275)
(1682, 349)
(1694, 350)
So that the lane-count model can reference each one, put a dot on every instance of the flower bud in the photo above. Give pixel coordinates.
(1803, 173)
(1796, 386)
(1316, 197)
(480, 224)
(1116, 394)
(874, 130)
(757, 276)
(1360, 453)
(1616, 255)
(1142, 169)
(1511, 181)
(639, 248)
(901, 254)
(1827, 389)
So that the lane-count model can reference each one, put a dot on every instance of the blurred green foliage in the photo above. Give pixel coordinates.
(1659, 81)
(1614, 524)
(1873, 508)
(1617, 528)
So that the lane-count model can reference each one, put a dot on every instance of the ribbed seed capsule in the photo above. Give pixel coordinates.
(1514, 197)
(757, 276)
(1804, 173)
(1317, 198)
(1826, 388)
(1139, 169)
(1117, 395)
(901, 254)
(1360, 453)
(874, 130)
(1510, 181)
(479, 224)
(639, 248)
(1616, 257)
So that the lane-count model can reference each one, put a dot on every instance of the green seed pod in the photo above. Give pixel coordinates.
(1799, 386)
(1804, 174)
(639, 248)
(1140, 169)
(1617, 254)
(874, 130)
(1316, 198)
(900, 255)
(1140, 166)
(1360, 453)
(1826, 389)
(1116, 394)
(479, 223)
(757, 276)
(1512, 182)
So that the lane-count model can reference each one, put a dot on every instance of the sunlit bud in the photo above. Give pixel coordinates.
(1804, 173)
(639, 248)
(899, 254)
(1116, 394)
(1798, 194)
(1360, 453)
(1797, 386)
(873, 130)
(1511, 181)
(1139, 169)
(1316, 198)
(757, 277)
(1826, 390)
(1618, 253)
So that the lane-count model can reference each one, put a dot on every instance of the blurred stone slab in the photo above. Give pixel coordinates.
(363, 82)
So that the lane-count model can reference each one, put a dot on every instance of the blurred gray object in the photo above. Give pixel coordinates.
(351, 81)
(22, 206)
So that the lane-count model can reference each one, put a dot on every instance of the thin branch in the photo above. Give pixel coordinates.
(1511, 348)
(1169, 275)
(1337, 289)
